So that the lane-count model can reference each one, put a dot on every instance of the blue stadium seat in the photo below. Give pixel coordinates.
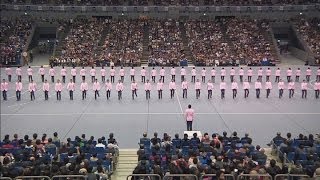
(93, 163)
(51, 151)
(145, 142)
(100, 150)
(278, 142)
(290, 156)
(176, 143)
(107, 165)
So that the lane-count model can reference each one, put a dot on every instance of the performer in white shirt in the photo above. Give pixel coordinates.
(210, 89)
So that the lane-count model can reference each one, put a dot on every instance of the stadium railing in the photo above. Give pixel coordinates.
(33, 177)
(226, 176)
(5, 178)
(255, 176)
(189, 176)
(57, 177)
(289, 176)
(148, 176)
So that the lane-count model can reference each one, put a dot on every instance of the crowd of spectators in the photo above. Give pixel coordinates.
(43, 156)
(123, 44)
(14, 36)
(207, 43)
(218, 154)
(310, 33)
(81, 43)
(165, 43)
(249, 40)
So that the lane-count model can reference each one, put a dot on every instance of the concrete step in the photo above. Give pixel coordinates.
(128, 158)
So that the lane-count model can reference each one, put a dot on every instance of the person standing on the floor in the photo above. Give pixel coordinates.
(18, 89)
(197, 86)
(108, 87)
(173, 73)
(132, 72)
(83, 72)
(258, 87)
(93, 74)
(103, 74)
(19, 73)
(289, 74)
(4, 89)
(249, 74)
(32, 89)
(298, 74)
(223, 86)
(318, 75)
(147, 88)
(232, 73)
(308, 74)
(63, 73)
(73, 73)
(143, 75)
(52, 73)
(160, 88)
(281, 88)
(241, 74)
(58, 88)
(222, 74)
(189, 115)
(96, 88)
(153, 75)
(30, 72)
(268, 87)
(71, 88)
(260, 74)
(183, 73)
(193, 74)
(213, 75)
(278, 74)
(46, 88)
(203, 75)
(121, 74)
(234, 87)
(112, 73)
(134, 88)
(246, 88)
(119, 89)
(210, 89)
(172, 88)
(42, 73)
(268, 74)
(162, 73)
(316, 88)
(304, 89)
(291, 88)
(9, 73)
(84, 88)
(184, 87)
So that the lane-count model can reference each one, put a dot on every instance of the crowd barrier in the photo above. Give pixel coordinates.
(254, 177)
(226, 176)
(62, 177)
(5, 178)
(290, 176)
(33, 177)
(148, 176)
(189, 176)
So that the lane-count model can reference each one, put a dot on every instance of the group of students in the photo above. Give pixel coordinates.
(96, 86)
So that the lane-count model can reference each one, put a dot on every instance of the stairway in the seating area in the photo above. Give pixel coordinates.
(185, 41)
(127, 161)
(61, 38)
(105, 32)
(145, 45)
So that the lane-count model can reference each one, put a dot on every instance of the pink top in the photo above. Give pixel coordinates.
(96, 86)
(41, 71)
(58, 87)
(289, 72)
(318, 72)
(260, 72)
(232, 72)
(73, 72)
(278, 72)
(83, 72)
(4, 86)
(173, 71)
(268, 85)
(162, 72)
(304, 86)
(32, 87)
(172, 85)
(257, 85)
(223, 85)
(108, 86)
(308, 72)
(92, 72)
(147, 86)
(134, 86)
(210, 86)
(71, 86)
(291, 85)
(84, 86)
(103, 72)
(249, 72)
(223, 72)
(203, 72)
(143, 72)
(298, 72)
(189, 114)
(316, 86)
(63, 72)
(132, 71)
(241, 72)
(153, 72)
(46, 86)
(213, 72)
(234, 85)
(184, 85)
(268, 72)
(121, 72)
(197, 85)
(29, 71)
(52, 72)
(281, 85)
(183, 72)
(159, 86)
(193, 72)
(18, 71)
(119, 87)
(18, 86)
(246, 85)
(112, 72)
(8, 71)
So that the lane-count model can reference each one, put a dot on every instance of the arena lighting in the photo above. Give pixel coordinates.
(25, 13)
(204, 14)
(300, 13)
(122, 14)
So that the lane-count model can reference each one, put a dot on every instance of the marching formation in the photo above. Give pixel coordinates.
(107, 83)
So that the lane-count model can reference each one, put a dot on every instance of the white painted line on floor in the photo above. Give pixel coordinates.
(156, 113)
(177, 95)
